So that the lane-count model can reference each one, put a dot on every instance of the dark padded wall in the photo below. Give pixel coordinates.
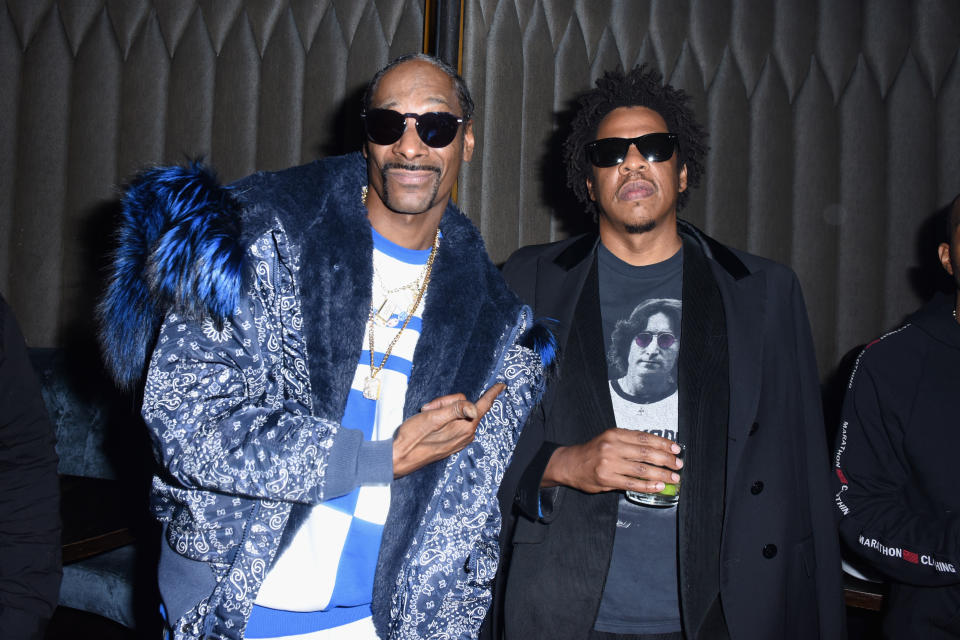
(835, 130)
(92, 90)
(834, 123)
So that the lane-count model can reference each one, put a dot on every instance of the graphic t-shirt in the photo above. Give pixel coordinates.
(641, 309)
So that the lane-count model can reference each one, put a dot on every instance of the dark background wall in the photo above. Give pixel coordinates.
(834, 124)
(92, 90)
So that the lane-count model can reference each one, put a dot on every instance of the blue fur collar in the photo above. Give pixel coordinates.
(176, 248)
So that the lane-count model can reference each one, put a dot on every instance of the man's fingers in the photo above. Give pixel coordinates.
(486, 400)
(443, 401)
(651, 472)
(649, 440)
(644, 486)
(465, 410)
(650, 456)
(451, 411)
(456, 406)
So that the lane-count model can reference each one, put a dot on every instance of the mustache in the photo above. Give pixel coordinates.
(634, 176)
(408, 167)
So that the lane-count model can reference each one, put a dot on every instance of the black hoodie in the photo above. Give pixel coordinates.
(897, 465)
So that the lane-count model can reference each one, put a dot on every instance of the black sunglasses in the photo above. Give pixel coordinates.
(609, 152)
(437, 129)
(665, 340)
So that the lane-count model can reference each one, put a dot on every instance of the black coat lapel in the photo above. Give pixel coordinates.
(568, 291)
(585, 366)
(560, 285)
(703, 411)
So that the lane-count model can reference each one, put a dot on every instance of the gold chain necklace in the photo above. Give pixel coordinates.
(371, 386)
(391, 302)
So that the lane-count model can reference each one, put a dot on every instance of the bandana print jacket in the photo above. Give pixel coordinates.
(259, 293)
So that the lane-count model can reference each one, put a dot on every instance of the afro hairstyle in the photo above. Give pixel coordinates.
(640, 87)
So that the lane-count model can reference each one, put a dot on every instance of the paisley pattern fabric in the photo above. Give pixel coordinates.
(228, 405)
(445, 589)
(228, 408)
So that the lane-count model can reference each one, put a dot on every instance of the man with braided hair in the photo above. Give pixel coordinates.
(706, 346)
(337, 380)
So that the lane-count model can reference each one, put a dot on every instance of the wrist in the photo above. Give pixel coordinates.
(553, 474)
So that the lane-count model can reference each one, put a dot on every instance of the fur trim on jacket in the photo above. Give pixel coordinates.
(183, 246)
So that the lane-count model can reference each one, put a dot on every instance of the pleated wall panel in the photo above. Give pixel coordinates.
(92, 90)
(833, 124)
(834, 129)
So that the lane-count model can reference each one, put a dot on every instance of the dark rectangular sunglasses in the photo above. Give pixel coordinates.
(609, 152)
(437, 129)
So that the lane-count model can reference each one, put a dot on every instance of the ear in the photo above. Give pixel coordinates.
(363, 148)
(683, 179)
(944, 252)
(590, 189)
(468, 141)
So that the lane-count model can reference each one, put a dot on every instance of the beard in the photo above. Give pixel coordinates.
(389, 201)
(643, 227)
(637, 228)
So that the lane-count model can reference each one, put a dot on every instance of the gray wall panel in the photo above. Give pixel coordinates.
(9, 103)
(771, 167)
(91, 162)
(234, 104)
(911, 185)
(41, 176)
(864, 210)
(144, 84)
(93, 90)
(816, 206)
(809, 105)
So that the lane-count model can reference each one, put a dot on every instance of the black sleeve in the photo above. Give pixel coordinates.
(29, 494)
(898, 537)
(533, 502)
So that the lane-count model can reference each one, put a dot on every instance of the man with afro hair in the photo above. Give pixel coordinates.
(673, 483)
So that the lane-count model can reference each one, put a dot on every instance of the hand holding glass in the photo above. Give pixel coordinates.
(666, 497)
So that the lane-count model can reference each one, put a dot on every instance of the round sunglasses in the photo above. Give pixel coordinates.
(436, 129)
(665, 340)
(609, 152)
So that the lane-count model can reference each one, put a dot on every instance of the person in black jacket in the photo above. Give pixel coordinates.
(29, 494)
(667, 337)
(897, 477)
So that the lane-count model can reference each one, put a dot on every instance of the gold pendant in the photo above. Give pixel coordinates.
(384, 313)
(371, 388)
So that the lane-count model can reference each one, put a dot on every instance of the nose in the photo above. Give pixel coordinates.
(634, 160)
(410, 145)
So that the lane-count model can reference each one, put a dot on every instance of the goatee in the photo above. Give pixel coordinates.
(388, 201)
(645, 227)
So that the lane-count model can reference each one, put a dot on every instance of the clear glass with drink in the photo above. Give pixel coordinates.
(669, 496)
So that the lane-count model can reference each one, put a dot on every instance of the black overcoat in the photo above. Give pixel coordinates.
(757, 535)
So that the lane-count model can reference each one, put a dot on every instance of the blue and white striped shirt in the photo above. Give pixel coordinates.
(321, 586)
